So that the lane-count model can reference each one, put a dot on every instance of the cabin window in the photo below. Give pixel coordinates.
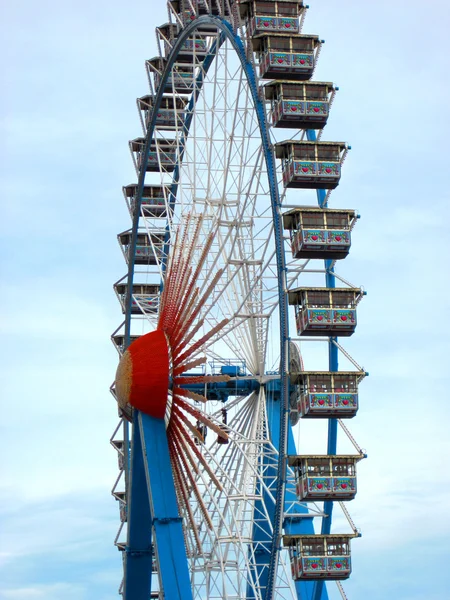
(320, 384)
(288, 9)
(313, 547)
(319, 467)
(303, 386)
(316, 92)
(282, 44)
(337, 220)
(344, 383)
(293, 91)
(302, 44)
(343, 468)
(265, 8)
(344, 299)
(318, 298)
(305, 152)
(313, 220)
(337, 548)
(331, 153)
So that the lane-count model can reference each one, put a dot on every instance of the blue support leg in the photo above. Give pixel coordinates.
(138, 552)
(167, 525)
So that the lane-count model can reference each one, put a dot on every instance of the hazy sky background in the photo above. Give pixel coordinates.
(70, 74)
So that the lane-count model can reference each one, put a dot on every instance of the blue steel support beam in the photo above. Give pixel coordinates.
(138, 552)
(333, 364)
(222, 390)
(167, 525)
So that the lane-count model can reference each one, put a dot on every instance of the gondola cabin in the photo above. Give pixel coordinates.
(118, 339)
(311, 165)
(325, 311)
(161, 158)
(193, 47)
(170, 113)
(299, 105)
(121, 496)
(144, 298)
(326, 394)
(153, 202)
(319, 556)
(325, 477)
(180, 80)
(282, 55)
(188, 10)
(119, 446)
(275, 16)
(149, 248)
(319, 232)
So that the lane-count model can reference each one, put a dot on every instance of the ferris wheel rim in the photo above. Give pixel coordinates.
(227, 33)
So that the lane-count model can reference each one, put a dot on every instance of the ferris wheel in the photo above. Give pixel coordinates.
(216, 500)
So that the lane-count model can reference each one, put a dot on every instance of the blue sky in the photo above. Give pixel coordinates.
(71, 72)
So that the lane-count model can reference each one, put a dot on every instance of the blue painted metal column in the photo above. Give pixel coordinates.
(167, 524)
(138, 552)
(333, 365)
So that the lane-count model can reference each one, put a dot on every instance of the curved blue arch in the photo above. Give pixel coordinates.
(282, 423)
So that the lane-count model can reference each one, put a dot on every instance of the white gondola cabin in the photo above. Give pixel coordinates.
(319, 556)
(180, 80)
(153, 203)
(170, 114)
(325, 311)
(195, 47)
(311, 165)
(144, 298)
(149, 248)
(162, 156)
(325, 477)
(271, 16)
(296, 104)
(325, 394)
(282, 56)
(319, 232)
